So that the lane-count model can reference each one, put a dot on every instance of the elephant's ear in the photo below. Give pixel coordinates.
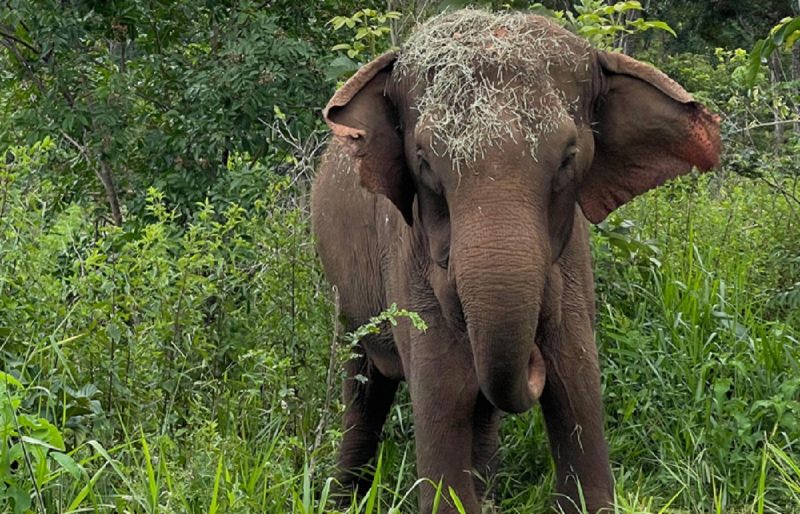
(365, 122)
(648, 129)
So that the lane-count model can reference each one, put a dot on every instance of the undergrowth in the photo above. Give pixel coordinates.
(180, 365)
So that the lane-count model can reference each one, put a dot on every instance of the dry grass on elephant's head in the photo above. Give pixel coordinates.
(470, 64)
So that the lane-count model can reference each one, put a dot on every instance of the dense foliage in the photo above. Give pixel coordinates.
(167, 341)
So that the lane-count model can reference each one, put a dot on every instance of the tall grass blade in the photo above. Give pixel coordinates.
(372, 496)
(762, 481)
(212, 508)
(456, 500)
(85, 490)
(152, 486)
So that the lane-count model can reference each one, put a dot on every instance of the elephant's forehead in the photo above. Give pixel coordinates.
(485, 77)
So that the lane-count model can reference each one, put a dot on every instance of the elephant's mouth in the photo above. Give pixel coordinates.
(537, 375)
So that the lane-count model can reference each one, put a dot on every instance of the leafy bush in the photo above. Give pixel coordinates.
(160, 327)
(134, 104)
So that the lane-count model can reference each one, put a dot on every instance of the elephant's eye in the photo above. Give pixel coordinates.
(569, 158)
(566, 170)
(428, 177)
(421, 162)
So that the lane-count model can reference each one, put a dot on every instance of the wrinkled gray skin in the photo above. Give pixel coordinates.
(494, 256)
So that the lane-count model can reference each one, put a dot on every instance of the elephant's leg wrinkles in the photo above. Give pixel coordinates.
(573, 413)
(571, 402)
(485, 441)
(444, 393)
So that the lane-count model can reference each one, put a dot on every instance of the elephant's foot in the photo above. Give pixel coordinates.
(351, 485)
(589, 502)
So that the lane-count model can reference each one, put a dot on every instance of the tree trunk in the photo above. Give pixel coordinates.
(104, 174)
(623, 42)
(627, 45)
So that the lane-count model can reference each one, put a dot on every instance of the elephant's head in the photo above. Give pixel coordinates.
(486, 131)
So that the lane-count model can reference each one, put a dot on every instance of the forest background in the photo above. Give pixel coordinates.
(167, 341)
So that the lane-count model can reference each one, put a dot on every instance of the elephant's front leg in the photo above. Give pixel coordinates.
(444, 393)
(573, 410)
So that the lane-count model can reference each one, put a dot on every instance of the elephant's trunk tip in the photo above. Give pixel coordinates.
(517, 388)
(536, 373)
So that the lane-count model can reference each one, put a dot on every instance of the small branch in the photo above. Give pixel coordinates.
(9, 43)
(762, 125)
(77, 145)
(111, 192)
(786, 194)
(6, 184)
(22, 62)
(18, 40)
(103, 173)
(5, 200)
(164, 107)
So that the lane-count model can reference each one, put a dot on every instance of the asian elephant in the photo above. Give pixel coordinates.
(458, 184)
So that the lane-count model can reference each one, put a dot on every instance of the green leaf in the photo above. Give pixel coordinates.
(212, 508)
(152, 485)
(361, 33)
(20, 498)
(68, 464)
(661, 26)
(341, 67)
(5, 378)
(113, 332)
(38, 442)
(84, 492)
(456, 501)
(786, 30)
(755, 61)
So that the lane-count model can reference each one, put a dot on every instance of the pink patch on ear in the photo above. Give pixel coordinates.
(616, 180)
(701, 146)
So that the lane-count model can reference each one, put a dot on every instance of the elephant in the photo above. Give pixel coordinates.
(460, 181)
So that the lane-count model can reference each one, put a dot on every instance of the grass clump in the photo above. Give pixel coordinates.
(486, 77)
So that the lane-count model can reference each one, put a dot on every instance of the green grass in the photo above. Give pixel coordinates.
(701, 367)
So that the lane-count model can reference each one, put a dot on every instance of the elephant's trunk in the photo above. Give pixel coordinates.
(500, 267)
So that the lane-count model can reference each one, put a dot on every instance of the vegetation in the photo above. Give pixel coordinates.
(167, 341)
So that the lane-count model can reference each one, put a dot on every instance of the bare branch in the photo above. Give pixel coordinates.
(103, 173)
(4, 31)
(12, 47)
(81, 148)
(762, 125)
(111, 191)
(788, 195)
